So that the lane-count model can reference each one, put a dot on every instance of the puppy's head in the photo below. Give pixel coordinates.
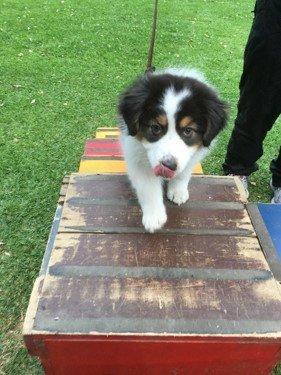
(173, 116)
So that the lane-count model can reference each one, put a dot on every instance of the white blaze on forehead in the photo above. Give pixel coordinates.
(171, 144)
(171, 103)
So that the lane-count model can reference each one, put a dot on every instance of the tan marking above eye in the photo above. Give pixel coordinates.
(162, 120)
(185, 121)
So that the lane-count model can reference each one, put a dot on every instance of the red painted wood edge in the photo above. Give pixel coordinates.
(102, 147)
(103, 142)
(143, 355)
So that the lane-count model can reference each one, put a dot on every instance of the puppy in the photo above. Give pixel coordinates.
(168, 120)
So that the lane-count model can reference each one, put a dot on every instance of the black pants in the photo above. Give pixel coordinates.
(260, 94)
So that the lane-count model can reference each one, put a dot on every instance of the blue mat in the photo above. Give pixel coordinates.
(271, 214)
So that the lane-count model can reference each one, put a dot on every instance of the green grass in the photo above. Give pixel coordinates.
(62, 65)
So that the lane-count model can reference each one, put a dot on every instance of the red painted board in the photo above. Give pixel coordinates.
(157, 356)
(102, 147)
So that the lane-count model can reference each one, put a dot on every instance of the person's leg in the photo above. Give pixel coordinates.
(275, 168)
(260, 92)
(275, 183)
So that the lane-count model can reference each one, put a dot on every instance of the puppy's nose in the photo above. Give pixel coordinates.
(170, 163)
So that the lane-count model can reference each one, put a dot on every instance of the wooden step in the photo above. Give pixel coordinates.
(196, 297)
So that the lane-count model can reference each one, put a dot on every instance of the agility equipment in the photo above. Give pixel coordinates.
(198, 296)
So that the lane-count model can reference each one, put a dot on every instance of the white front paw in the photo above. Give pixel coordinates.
(154, 220)
(178, 194)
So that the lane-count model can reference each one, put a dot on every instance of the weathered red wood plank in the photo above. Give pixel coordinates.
(159, 250)
(103, 186)
(84, 216)
(248, 304)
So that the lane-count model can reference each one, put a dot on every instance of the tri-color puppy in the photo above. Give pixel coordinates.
(168, 120)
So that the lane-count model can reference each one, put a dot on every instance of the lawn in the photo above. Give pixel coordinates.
(62, 65)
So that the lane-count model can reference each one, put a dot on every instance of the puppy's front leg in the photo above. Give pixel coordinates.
(177, 191)
(150, 195)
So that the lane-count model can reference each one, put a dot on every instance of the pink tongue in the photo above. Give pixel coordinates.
(161, 170)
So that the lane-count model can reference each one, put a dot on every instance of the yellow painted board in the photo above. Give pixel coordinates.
(108, 128)
(113, 166)
(106, 133)
(102, 166)
(197, 169)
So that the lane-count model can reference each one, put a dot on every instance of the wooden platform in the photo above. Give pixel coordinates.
(198, 297)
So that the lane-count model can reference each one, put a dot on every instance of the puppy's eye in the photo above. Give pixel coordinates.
(188, 131)
(156, 129)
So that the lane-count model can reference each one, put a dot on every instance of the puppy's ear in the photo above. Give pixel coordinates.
(217, 119)
(131, 104)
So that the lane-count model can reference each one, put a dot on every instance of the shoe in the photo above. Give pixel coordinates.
(276, 194)
(245, 183)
